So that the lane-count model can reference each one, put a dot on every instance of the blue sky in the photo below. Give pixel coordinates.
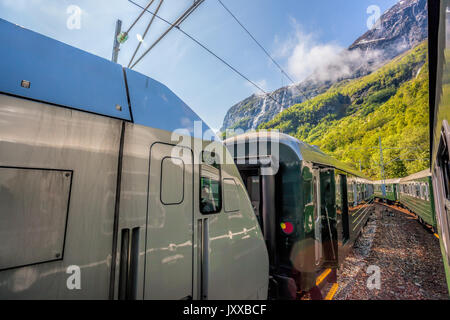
(300, 34)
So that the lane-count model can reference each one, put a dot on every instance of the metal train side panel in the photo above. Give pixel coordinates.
(421, 207)
(38, 136)
(355, 198)
(225, 246)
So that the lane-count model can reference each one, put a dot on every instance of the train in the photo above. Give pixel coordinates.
(414, 192)
(310, 206)
(102, 196)
(386, 190)
(439, 100)
(111, 187)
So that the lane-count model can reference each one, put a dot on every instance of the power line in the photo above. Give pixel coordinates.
(145, 33)
(262, 48)
(177, 23)
(207, 49)
(139, 17)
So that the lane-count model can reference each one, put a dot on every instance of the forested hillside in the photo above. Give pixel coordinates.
(347, 120)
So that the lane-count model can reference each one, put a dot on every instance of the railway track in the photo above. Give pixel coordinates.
(404, 210)
(406, 256)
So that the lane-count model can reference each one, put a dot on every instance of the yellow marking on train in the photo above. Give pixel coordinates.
(332, 292)
(322, 276)
(436, 235)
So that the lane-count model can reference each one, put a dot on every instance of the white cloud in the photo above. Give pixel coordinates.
(306, 56)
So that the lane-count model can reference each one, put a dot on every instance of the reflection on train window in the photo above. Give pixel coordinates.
(417, 191)
(445, 165)
(210, 201)
(307, 192)
(350, 194)
(315, 195)
(210, 187)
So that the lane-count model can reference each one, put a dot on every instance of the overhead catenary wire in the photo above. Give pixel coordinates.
(145, 33)
(206, 49)
(177, 23)
(139, 17)
(262, 48)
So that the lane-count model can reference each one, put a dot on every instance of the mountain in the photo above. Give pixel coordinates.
(401, 28)
(347, 120)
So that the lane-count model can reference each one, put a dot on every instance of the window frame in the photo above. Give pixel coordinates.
(161, 181)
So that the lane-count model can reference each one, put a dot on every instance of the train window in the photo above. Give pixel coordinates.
(444, 164)
(172, 189)
(422, 192)
(307, 192)
(349, 194)
(210, 187)
(230, 195)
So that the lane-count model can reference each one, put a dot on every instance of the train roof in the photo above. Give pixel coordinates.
(304, 151)
(387, 181)
(418, 175)
(65, 76)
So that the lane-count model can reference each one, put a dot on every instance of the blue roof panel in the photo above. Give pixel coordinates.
(60, 74)
(154, 105)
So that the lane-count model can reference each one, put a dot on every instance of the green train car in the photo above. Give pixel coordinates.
(439, 61)
(386, 189)
(416, 194)
(311, 208)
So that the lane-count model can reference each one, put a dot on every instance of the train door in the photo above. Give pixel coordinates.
(344, 209)
(328, 217)
(169, 244)
(261, 190)
(253, 184)
(325, 233)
